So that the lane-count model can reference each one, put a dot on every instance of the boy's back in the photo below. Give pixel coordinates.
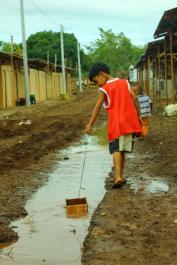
(122, 117)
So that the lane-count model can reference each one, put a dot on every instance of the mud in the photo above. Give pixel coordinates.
(29, 139)
(132, 225)
(136, 224)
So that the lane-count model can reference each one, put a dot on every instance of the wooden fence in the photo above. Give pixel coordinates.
(44, 85)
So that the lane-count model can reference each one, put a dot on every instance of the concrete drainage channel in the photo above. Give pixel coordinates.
(46, 236)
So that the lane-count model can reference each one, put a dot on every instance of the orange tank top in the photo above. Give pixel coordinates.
(122, 115)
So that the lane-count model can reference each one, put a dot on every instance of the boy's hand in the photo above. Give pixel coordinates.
(140, 119)
(88, 129)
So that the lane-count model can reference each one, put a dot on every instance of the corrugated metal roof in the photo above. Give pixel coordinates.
(141, 59)
(42, 63)
(168, 22)
(35, 63)
(152, 46)
(8, 55)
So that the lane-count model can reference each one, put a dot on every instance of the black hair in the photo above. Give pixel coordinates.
(96, 68)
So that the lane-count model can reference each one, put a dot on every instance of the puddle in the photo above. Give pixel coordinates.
(146, 185)
(157, 186)
(144, 182)
(46, 235)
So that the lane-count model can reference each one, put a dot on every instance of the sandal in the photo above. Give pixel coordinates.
(124, 181)
(117, 184)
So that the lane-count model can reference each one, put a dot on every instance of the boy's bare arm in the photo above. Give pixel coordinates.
(96, 111)
(136, 103)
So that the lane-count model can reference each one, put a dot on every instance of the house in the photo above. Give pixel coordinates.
(157, 68)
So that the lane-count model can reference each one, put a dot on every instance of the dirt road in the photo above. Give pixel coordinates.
(29, 138)
(137, 224)
(133, 225)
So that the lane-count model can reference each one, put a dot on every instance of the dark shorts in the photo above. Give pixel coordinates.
(122, 144)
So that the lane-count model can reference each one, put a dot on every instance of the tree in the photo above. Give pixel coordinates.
(6, 47)
(116, 50)
(41, 43)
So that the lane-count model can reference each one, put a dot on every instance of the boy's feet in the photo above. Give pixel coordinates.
(119, 183)
(112, 180)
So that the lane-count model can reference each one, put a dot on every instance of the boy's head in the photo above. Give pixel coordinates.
(139, 89)
(99, 74)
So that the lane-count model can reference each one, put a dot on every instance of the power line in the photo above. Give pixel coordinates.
(44, 14)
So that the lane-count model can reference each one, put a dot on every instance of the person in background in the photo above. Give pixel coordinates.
(145, 109)
(123, 112)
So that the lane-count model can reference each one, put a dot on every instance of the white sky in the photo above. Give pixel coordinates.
(138, 19)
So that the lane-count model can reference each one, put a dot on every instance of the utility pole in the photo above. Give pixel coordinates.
(25, 60)
(79, 66)
(62, 59)
(55, 62)
(48, 60)
(12, 48)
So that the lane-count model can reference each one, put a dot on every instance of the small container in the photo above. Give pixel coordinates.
(76, 207)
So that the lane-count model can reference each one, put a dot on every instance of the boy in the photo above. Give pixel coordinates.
(145, 109)
(123, 115)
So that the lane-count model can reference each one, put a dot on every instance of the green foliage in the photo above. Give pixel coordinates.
(6, 47)
(116, 50)
(41, 43)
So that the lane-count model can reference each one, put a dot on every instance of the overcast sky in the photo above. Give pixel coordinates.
(138, 19)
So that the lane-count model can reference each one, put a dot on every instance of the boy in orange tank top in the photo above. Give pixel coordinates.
(124, 117)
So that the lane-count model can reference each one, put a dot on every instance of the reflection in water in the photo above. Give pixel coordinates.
(5, 245)
(101, 136)
(46, 235)
(6, 252)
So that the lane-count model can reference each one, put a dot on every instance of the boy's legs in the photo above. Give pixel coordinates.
(118, 147)
(118, 159)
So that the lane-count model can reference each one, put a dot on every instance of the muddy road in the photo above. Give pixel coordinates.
(29, 138)
(132, 225)
(137, 224)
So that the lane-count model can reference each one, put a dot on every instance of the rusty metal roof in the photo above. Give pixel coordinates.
(42, 64)
(37, 63)
(141, 59)
(152, 46)
(167, 23)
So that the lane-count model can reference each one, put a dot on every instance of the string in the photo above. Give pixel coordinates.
(83, 167)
